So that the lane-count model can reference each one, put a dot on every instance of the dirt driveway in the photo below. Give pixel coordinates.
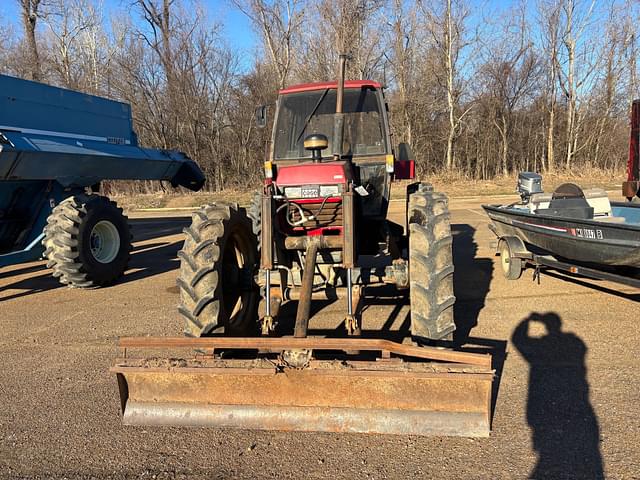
(567, 403)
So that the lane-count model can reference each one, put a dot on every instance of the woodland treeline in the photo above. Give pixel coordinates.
(478, 90)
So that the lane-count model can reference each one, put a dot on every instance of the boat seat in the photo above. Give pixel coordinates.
(599, 200)
(539, 200)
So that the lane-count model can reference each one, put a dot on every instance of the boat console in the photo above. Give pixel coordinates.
(568, 200)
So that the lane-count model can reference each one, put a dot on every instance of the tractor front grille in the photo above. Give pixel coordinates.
(329, 216)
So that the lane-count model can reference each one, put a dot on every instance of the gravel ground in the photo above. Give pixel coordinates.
(566, 406)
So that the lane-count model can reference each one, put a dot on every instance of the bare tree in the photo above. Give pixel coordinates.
(510, 71)
(403, 41)
(29, 12)
(278, 23)
(549, 21)
(447, 23)
(577, 62)
(68, 20)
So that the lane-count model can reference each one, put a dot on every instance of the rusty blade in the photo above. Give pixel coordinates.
(365, 397)
(311, 343)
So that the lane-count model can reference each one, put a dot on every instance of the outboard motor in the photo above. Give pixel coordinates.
(529, 183)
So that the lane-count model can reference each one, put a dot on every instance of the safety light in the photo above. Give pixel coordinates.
(268, 169)
(389, 162)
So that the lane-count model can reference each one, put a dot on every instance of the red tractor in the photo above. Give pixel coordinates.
(317, 229)
(320, 223)
(631, 188)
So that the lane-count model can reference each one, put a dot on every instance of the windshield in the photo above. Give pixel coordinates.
(363, 133)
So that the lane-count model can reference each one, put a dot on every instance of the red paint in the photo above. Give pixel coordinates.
(633, 165)
(315, 200)
(333, 230)
(307, 87)
(404, 170)
(309, 173)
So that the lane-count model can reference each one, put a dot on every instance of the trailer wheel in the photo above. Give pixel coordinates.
(511, 266)
(87, 241)
(430, 265)
(218, 292)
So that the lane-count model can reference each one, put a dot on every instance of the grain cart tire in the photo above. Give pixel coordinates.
(511, 266)
(430, 266)
(218, 293)
(87, 241)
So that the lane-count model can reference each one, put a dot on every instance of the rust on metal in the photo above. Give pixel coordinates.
(352, 396)
(348, 250)
(332, 242)
(266, 249)
(304, 304)
(630, 188)
(443, 393)
(310, 343)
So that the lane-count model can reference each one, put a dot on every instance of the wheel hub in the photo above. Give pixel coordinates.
(104, 242)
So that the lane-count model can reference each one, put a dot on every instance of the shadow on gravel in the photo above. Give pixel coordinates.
(30, 286)
(565, 428)
(144, 229)
(471, 281)
(146, 260)
(149, 260)
(590, 283)
(22, 270)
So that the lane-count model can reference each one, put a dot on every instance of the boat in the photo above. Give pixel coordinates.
(572, 224)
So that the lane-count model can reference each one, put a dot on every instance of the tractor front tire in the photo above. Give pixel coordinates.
(218, 293)
(87, 241)
(430, 266)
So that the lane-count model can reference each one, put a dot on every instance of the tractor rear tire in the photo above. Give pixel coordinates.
(218, 293)
(430, 266)
(87, 241)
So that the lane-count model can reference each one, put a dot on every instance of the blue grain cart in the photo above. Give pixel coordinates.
(56, 146)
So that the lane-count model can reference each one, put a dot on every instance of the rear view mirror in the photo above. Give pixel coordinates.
(261, 116)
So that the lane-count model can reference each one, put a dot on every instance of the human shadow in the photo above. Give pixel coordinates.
(471, 281)
(564, 425)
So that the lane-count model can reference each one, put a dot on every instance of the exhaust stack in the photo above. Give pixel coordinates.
(338, 125)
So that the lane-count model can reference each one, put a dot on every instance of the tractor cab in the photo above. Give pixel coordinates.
(354, 149)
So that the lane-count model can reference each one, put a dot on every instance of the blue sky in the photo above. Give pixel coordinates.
(236, 25)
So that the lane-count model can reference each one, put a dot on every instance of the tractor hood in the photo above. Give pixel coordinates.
(310, 173)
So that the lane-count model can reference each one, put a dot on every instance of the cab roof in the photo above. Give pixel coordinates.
(307, 87)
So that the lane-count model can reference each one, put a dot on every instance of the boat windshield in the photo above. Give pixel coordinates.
(304, 113)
